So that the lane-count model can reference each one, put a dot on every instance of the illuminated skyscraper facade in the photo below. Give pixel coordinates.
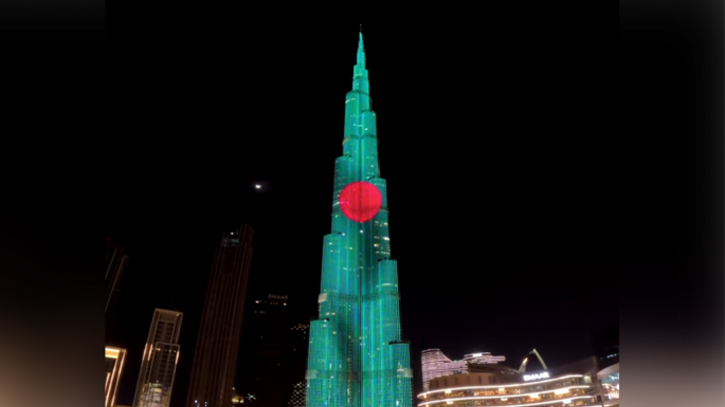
(160, 358)
(217, 347)
(356, 355)
(115, 359)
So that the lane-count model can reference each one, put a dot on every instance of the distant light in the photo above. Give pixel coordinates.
(258, 186)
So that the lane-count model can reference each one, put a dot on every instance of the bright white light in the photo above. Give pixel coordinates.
(258, 186)
(516, 385)
(541, 403)
(537, 376)
(562, 391)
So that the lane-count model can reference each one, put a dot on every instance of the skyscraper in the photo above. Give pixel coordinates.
(275, 343)
(217, 346)
(356, 355)
(160, 358)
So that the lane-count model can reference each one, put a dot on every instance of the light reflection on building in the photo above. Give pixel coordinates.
(160, 358)
(609, 382)
(436, 364)
(115, 359)
(568, 386)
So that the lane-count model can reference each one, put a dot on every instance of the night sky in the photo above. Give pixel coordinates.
(505, 201)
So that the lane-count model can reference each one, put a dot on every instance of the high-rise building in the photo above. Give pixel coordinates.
(115, 265)
(356, 355)
(298, 396)
(160, 358)
(217, 347)
(298, 362)
(275, 343)
(436, 364)
(115, 359)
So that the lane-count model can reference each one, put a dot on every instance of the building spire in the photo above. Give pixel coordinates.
(361, 50)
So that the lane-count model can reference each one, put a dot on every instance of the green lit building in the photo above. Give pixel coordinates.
(356, 355)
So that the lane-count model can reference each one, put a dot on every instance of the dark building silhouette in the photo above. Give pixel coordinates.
(606, 346)
(115, 263)
(275, 360)
(213, 370)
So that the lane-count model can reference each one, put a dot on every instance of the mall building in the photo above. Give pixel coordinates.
(579, 384)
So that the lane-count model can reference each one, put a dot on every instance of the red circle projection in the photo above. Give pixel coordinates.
(361, 201)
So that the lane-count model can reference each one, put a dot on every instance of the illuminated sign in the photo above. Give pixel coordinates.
(537, 376)
(277, 297)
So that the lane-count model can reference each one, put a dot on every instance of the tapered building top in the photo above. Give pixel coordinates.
(361, 51)
(360, 78)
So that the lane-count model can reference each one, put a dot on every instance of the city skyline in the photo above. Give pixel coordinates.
(513, 277)
(536, 184)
